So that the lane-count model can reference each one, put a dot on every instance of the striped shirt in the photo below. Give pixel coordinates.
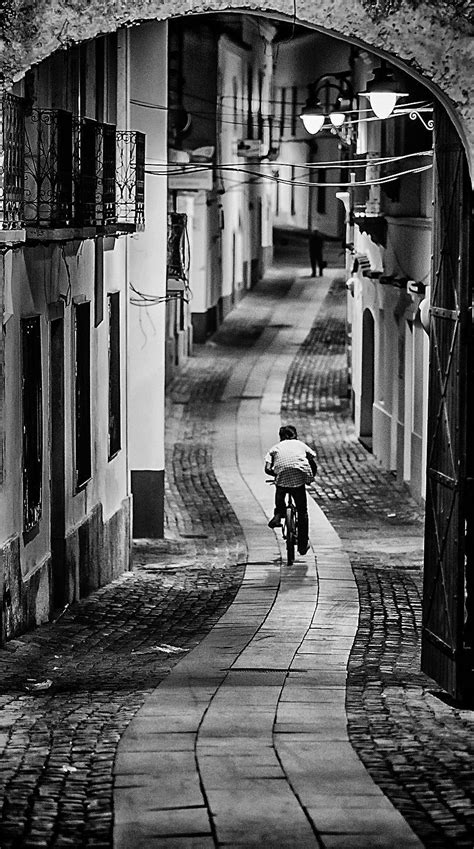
(289, 462)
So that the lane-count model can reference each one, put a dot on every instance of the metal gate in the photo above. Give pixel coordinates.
(446, 638)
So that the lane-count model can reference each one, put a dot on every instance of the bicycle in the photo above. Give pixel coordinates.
(290, 527)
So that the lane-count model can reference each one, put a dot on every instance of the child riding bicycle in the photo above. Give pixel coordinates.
(293, 464)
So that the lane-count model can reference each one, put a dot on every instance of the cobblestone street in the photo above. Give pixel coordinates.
(106, 654)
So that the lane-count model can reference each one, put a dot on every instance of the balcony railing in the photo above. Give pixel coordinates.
(130, 178)
(11, 162)
(48, 168)
(81, 173)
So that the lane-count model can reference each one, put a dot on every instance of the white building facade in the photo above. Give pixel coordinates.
(71, 243)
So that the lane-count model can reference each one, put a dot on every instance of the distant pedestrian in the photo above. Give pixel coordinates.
(316, 243)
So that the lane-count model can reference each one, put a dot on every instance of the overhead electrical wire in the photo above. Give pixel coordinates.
(140, 299)
(281, 180)
(361, 162)
(227, 113)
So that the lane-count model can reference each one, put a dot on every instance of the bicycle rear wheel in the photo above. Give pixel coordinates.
(290, 534)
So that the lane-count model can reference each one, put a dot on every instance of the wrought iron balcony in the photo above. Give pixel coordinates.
(48, 168)
(11, 163)
(80, 173)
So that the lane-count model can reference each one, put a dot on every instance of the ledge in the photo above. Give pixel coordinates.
(12, 237)
(59, 234)
(420, 223)
(71, 234)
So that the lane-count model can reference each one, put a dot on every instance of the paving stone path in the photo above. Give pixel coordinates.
(107, 653)
(416, 746)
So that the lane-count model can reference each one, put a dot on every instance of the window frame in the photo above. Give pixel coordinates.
(82, 394)
(32, 424)
(114, 376)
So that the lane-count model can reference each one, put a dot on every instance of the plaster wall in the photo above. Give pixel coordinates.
(115, 481)
(400, 378)
(199, 237)
(235, 232)
(408, 252)
(291, 213)
(39, 275)
(59, 561)
(147, 253)
(299, 64)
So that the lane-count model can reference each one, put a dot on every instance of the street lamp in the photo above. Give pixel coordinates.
(383, 92)
(313, 117)
(330, 95)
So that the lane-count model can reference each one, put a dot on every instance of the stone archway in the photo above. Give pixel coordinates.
(429, 40)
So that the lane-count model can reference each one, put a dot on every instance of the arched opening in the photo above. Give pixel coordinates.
(367, 393)
(222, 240)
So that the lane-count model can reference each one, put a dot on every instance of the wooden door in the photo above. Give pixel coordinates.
(445, 638)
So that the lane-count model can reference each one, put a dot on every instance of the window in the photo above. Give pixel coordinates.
(292, 190)
(32, 421)
(283, 113)
(321, 201)
(99, 281)
(260, 104)
(114, 373)
(235, 99)
(294, 109)
(249, 103)
(82, 392)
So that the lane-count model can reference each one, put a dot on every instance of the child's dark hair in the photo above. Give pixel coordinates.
(288, 432)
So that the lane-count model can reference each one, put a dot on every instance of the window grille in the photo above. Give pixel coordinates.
(109, 168)
(48, 168)
(32, 421)
(130, 178)
(58, 170)
(87, 166)
(11, 162)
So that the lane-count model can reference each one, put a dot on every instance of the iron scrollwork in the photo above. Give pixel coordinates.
(66, 171)
(130, 178)
(12, 122)
(48, 168)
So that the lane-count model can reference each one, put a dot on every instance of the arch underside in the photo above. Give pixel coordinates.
(432, 41)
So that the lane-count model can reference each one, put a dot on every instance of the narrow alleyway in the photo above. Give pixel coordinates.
(256, 734)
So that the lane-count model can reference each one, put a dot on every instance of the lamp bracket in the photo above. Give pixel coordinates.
(415, 113)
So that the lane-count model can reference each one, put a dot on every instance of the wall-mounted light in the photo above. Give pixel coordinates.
(383, 92)
(330, 95)
(313, 117)
(340, 110)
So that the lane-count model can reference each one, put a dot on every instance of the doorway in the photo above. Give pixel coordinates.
(60, 589)
(367, 386)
